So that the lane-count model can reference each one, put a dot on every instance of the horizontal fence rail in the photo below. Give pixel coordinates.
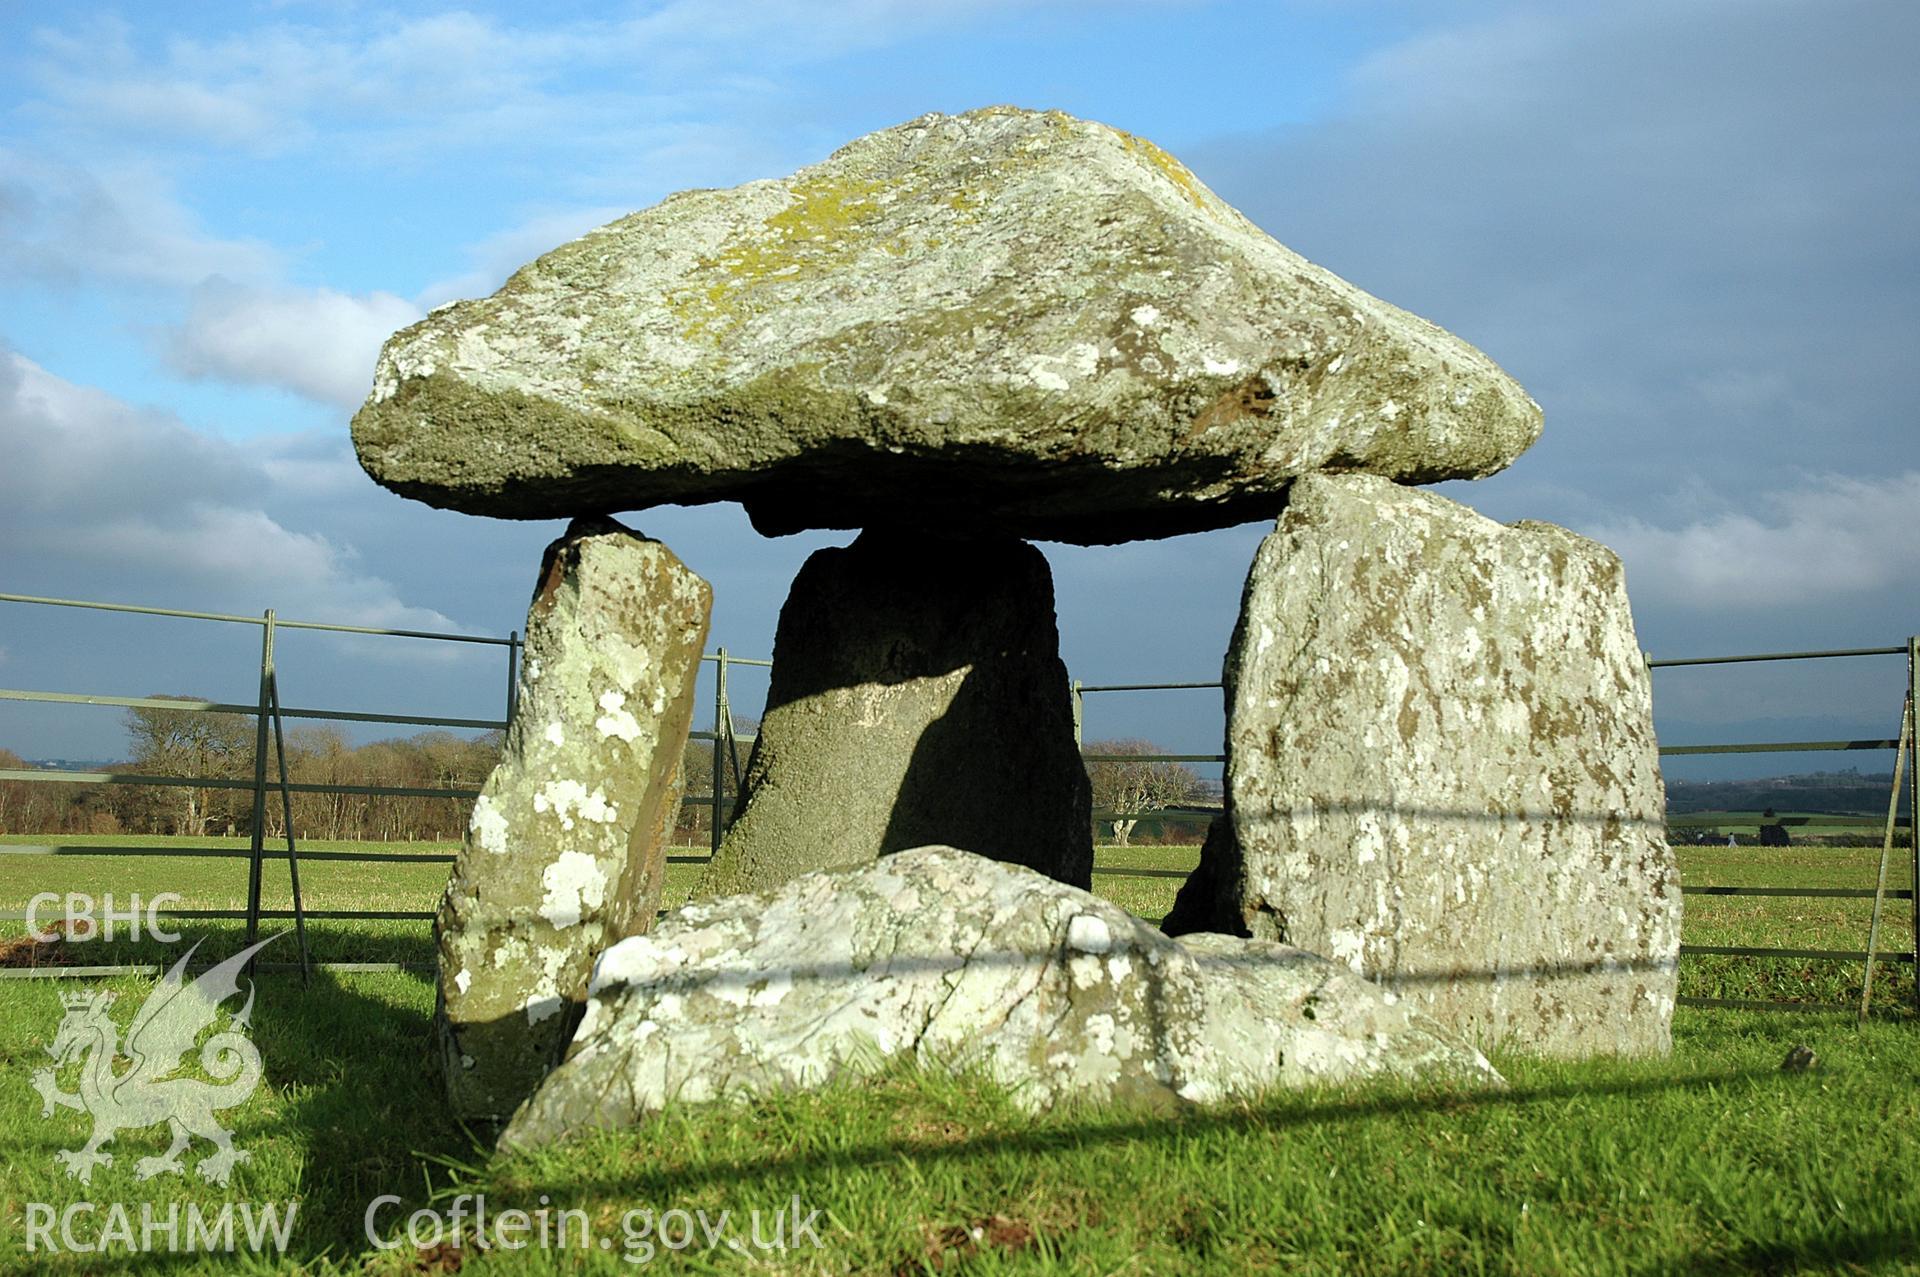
(510, 641)
(218, 707)
(155, 969)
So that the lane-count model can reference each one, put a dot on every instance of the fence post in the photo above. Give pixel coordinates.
(722, 723)
(259, 782)
(1886, 853)
(286, 816)
(1913, 802)
(513, 673)
(1078, 706)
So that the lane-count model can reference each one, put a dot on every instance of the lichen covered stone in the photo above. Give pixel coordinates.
(917, 697)
(565, 853)
(1442, 771)
(1007, 320)
(958, 961)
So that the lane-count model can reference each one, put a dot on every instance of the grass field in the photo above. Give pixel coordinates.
(1711, 1161)
(1799, 824)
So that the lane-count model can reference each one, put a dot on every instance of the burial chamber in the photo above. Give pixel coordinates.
(957, 336)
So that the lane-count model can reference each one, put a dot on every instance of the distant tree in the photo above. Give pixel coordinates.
(189, 743)
(320, 755)
(13, 793)
(1123, 792)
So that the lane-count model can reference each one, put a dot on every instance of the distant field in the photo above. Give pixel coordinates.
(1800, 824)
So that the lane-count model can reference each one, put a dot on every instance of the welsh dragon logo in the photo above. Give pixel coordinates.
(163, 1032)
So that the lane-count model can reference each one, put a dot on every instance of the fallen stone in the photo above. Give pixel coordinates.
(917, 697)
(1442, 771)
(1006, 320)
(565, 853)
(962, 962)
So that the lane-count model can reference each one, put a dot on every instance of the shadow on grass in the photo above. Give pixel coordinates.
(1822, 1251)
(1279, 1114)
(362, 1092)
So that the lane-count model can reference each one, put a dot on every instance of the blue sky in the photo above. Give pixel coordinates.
(1687, 228)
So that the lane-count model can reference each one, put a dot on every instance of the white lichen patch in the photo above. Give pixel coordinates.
(556, 734)
(488, 826)
(1349, 947)
(616, 720)
(574, 883)
(1089, 933)
(635, 960)
(568, 799)
(749, 989)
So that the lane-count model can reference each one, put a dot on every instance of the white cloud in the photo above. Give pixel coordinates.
(1825, 540)
(203, 547)
(316, 342)
(106, 489)
(115, 222)
(456, 77)
(69, 449)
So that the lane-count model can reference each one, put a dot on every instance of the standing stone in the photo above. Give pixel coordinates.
(1010, 322)
(565, 853)
(956, 962)
(1442, 770)
(917, 697)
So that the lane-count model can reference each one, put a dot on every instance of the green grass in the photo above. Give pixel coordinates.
(1712, 1161)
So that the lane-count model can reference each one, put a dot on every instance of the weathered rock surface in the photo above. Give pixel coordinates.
(566, 850)
(1442, 770)
(1006, 320)
(917, 697)
(960, 961)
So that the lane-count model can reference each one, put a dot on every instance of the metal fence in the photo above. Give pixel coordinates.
(269, 715)
(726, 741)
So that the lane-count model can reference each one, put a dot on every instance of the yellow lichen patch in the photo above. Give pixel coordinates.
(1175, 171)
(826, 208)
(815, 232)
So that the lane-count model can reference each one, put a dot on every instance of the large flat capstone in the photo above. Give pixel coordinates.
(917, 697)
(963, 962)
(1442, 771)
(565, 853)
(1006, 320)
